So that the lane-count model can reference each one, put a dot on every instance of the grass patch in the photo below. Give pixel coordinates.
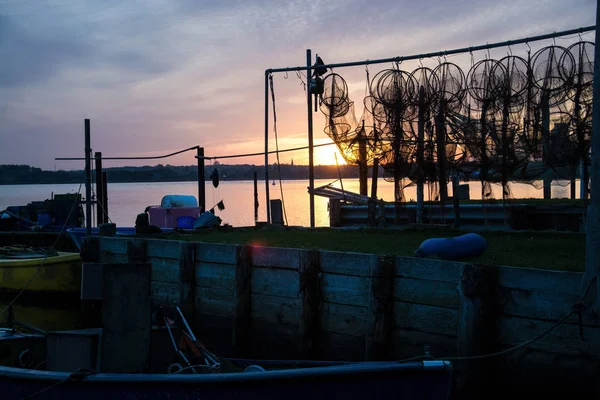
(543, 250)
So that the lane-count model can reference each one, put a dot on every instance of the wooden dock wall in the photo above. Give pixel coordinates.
(291, 303)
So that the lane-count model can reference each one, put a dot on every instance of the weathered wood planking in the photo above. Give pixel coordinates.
(380, 308)
(217, 276)
(409, 343)
(275, 282)
(242, 298)
(344, 263)
(540, 280)
(275, 310)
(564, 339)
(342, 319)
(274, 257)
(162, 248)
(433, 293)
(113, 258)
(165, 269)
(165, 293)
(345, 289)
(428, 269)
(213, 301)
(113, 245)
(217, 253)
(311, 300)
(424, 318)
(339, 347)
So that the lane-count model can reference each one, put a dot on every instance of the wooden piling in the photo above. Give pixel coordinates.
(187, 279)
(311, 301)
(335, 212)
(374, 177)
(105, 196)
(255, 196)
(476, 327)
(380, 308)
(100, 217)
(127, 318)
(242, 300)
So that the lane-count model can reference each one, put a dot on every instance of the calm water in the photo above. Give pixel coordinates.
(126, 200)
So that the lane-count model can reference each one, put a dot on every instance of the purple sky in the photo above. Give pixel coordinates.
(158, 76)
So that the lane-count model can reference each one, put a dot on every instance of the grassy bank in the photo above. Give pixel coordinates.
(544, 250)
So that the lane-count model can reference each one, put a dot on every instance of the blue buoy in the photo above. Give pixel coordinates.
(469, 245)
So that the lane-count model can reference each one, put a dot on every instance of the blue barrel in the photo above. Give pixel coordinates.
(44, 219)
(185, 222)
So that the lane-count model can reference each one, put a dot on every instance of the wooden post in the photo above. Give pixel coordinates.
(100, 218)
(362, 161)
(241, 300)
(476, 327)
(374, 177)
(255, 196)
(311, 301)
(546, 140)
(456, 200)
(136, 251)
(201, 179)
(335, 212)
(91, 310)
(105, 195)
(381, 213)
(187, 279)
(88, 179)
(440, 135)
(127, 318)
(372, 213)
(380, 308)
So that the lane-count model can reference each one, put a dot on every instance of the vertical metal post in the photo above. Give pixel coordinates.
(592, 245)
(267, 202)
(88, 179)
(100, 218)
(105, 196)
(201, 180)
(311, 163)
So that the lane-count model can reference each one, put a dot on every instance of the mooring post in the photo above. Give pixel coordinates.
(380, 307)
(105, 196)
(100, 218)
(547, 180)
(362, 161)
(311, 301)
(88, 179)
(374, 177)
(242, 301)
(201, 179)
(476, 328)
(592, 236)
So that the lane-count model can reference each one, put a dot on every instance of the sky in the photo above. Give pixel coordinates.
(158, 76)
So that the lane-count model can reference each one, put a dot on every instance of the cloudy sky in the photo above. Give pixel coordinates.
(157, 76)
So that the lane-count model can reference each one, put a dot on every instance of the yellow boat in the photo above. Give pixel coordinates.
(48, 288)
(60, 273)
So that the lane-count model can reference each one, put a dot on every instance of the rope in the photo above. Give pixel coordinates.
(77, 376)
(576, 308)
(9, 305)
(277, 147)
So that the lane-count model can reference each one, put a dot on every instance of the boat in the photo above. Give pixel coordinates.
(39, 270)
(27, 375)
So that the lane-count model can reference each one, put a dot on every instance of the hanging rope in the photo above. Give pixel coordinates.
(277, 147)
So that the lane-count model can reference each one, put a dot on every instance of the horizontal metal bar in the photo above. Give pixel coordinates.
(439, 53)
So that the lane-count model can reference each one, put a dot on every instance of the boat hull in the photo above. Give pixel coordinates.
(431, 381)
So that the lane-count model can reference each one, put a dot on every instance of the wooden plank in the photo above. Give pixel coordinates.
(344, 263)
(540, 280)
(340, 347)
(380, 308)
(215, 302)
(166, 294)
(423, 318)
(433, 293)
(113, 245)
(268, 341)
(408, 344)
(137, 251)
(163, 248)
(346, 320)
(428, 269)
(275, 310)
(311, 301)
(564, 339)
(215, 253)
(542, 305)
(242, 300)
(217, 276)
(187, 279)
(113, 258)
(275, 282)
(275, 257)
(345, 289)
(165, 269)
